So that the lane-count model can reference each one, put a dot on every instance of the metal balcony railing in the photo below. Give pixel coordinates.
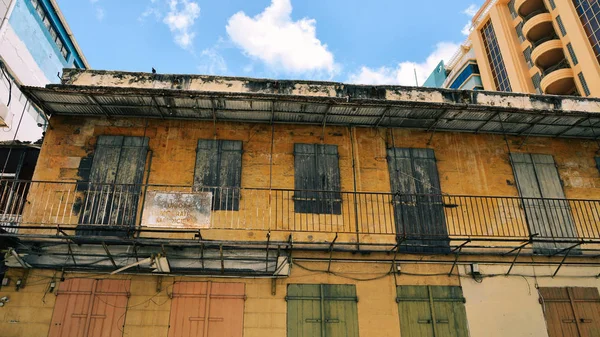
(551, 37)
(534, 14)
(564, 64)
(120, 209)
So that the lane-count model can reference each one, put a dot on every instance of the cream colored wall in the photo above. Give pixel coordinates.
(509, 306)
(588, 64)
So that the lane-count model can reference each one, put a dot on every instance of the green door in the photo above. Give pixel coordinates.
(321, 310)
(431, 311)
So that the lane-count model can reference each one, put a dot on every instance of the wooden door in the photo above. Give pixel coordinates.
(90, 308)
(322, 310)
(418, 205)
(571, 312)
(207, 309)
(548, 213)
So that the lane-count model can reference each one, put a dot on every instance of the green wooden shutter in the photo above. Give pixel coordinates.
(116, 175)
(418, 205)
(548, 214)
(431, 311)
(219, 170)
(322, 310)
(317, 179)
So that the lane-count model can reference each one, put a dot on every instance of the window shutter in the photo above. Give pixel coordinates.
(317, 179)
(418, 204)
(219, 170)
(323, 310)
(431, 311)
(116, 176)
(598, 163)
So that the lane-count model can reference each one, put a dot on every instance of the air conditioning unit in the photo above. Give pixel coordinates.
(3, 113)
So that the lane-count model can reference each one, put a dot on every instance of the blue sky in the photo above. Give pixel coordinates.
(368, 42)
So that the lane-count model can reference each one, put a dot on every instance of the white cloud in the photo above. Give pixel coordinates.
(404, 72)
(99, 13)
(278, 41)
(471, 10)
(180, 19)
(212, 62)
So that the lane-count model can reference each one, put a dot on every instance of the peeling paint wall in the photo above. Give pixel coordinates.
(460, 99)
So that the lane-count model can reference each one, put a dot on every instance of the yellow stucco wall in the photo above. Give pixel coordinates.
(472, 165)
(497, 306)
(29, 312)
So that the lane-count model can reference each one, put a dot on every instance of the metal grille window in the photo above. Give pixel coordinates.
(317, 179)
(432, 311)
(219, 170)
(520, 32)
(321, 310)
(552, 4)
(527, 54)
(584, 84)
(571, 312)
(561, 26)
(90, 308)
(492, 50)
(537, 79)
(205, 309)
(589, 15)
(511, 8)
(572, 53)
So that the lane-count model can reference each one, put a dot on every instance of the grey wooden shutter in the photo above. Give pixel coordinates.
(418, 204)
(548, 213)
(116, 176)
(219, 170)
(317, 179)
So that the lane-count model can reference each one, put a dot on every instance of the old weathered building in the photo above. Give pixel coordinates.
(182, 205)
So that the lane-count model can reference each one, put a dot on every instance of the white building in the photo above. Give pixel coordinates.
(35, 45)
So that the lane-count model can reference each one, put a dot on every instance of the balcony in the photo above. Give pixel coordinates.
(527, 7)
(558, 79)
(538, 25)
(87, 213)
(547, 52)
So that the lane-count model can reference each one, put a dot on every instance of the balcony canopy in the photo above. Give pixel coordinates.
(364, 106)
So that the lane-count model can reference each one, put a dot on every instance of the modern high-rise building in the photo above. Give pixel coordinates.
(35, 45)
(531, 46)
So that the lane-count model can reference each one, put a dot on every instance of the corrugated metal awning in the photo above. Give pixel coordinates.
(453, 113)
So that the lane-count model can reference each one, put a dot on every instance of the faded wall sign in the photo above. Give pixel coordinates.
(177, 209)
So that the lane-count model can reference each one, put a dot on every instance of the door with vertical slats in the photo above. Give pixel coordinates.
(418, 205)
(207, 309)
(113, 192)
(548, 213)
(571, 312)
(90, 308)
(431, 311)
(321, 310)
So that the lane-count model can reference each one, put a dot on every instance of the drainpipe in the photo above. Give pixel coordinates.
(9, 9)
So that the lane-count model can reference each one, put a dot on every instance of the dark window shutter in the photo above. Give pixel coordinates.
(317, 179)
(116, 176)
(219, 170)
(598, 163)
